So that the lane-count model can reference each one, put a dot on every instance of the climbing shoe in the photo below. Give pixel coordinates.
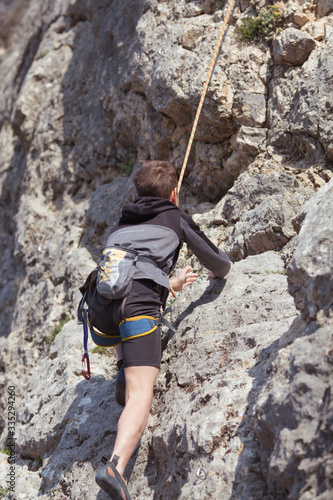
(109, 479)
(120, 384)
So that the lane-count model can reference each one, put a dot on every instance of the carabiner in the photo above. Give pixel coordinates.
(86, 373)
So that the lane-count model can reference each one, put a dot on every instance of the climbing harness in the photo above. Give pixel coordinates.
(102, 339)
(137, 326)
(203, 95)
(129, 328)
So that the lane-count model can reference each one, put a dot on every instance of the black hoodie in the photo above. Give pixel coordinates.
(156, 228)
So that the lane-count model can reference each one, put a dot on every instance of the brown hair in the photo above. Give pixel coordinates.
(155, 178)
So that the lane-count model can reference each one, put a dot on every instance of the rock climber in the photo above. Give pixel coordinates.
(156, 226)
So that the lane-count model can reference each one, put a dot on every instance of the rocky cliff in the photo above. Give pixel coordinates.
(243, 403)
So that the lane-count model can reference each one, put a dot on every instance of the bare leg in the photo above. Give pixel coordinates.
(132, 422)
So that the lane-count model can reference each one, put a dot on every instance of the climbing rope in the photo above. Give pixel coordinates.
(203, 95)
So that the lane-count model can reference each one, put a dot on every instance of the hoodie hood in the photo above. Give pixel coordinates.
(145, 208)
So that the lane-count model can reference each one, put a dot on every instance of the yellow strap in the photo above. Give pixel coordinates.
(101, 334)
(203, 95)
(135, 318)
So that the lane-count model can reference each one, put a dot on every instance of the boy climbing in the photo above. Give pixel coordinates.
(155, 228)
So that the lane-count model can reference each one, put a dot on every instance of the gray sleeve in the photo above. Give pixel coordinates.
(213, 258)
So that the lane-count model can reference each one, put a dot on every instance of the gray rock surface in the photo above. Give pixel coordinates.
(86, 92)
(291, 430)
(259, 208)
(323, 8)
(292, 46)
(299, 108)
(311, 268)
(71, 422)
(295, 431)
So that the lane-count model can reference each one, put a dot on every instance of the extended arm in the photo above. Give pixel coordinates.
(213, 258)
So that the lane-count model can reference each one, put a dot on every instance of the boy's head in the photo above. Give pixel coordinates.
(155, 178)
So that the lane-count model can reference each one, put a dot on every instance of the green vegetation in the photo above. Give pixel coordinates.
(128, 162)
(3, 492)
(263, 27)
(171, 301)
(39, 462)
(50, 338)
(284, 271)
(5, 450)
(44, 53)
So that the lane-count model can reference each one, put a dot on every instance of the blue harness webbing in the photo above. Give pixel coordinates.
(129, 328)
(137, 326)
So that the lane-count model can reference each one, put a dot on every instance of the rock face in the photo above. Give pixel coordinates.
(221, 334)
(311, 268)
(303, 123)
(293, 46)
(292, 429)
(323, 8)
(244, 391)
(296, 427)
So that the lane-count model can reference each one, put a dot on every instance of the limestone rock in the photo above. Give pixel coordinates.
(208, 176)
(85, 94)
(293, 410)
(323, 8)
(195, 8)
(265, 227)
(80, 417)
(316, 30)
(250, 139)
(292, 428)
(259, 209)
(310, 271)
(250, 109)
(192, 37)
(299, 110)
(301, 18)
(293, 46)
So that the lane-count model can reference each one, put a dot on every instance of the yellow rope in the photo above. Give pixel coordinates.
(203, 95)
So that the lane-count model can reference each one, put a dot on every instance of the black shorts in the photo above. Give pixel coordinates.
(144, 299)
(143, 351)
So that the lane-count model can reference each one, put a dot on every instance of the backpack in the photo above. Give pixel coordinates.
(115, 272)
(105, 289)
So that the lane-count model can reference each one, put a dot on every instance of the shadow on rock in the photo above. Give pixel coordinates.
(268, 415)
(89, 431)
(98, 155)
(212, 291)
(169, 461)
(13, 269)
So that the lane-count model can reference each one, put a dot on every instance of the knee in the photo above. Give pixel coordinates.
(141, 395)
